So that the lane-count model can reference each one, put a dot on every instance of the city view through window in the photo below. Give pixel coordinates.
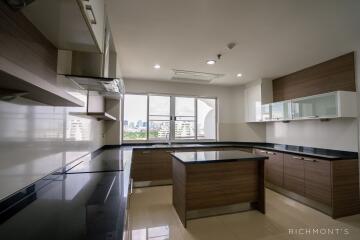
(149, 118)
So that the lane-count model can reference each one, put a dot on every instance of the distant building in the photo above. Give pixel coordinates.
(139, 123)
(184, 130)
(164, 130)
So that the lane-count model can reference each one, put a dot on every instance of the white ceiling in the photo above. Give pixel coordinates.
(273, 38)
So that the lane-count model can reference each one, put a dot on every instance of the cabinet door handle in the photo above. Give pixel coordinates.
(169, 151)
(90, 14)
(271, 153)
(145, 152)
(310, 160)
(263, 151)
(300, 158)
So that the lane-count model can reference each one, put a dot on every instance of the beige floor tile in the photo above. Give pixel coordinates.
(152, 217)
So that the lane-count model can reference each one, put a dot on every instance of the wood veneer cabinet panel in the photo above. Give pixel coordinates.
(156, 164)
(179, 190)
(275, 168)
(333, 75)
(220, 184)
(345, 188)
(330, 186)
(151, 165)
(318, 180)
(294, 174)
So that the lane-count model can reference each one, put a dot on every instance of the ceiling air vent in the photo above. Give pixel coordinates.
(194, 77)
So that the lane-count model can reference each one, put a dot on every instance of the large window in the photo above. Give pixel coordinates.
(135, 117)
(159, 117)
(184, 118)
(164, 118)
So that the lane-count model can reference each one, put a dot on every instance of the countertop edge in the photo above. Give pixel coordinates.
(256, 158)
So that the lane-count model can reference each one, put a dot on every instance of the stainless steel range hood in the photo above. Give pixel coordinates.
(93, 71)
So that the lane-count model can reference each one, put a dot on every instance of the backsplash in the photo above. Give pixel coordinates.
(36, 140)
(337, 134)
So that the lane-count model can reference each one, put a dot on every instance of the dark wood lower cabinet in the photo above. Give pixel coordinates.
(329, 186)
(345, 187)
(274, 166)
(156, 164)
(151, 165)
(294, 172)
(318, 180)
(203, 189)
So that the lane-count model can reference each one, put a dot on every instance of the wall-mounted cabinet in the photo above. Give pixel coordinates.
(281, 111)
(266, 112)
(329, 105)
(339, 104)
(256, 94)
(77, 25)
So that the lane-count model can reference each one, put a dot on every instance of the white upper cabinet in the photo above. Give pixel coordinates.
(256, 94)
(266, 112)
(76, 25)
(328, 105)
(281, 111)
(253, 103)
(94, 14)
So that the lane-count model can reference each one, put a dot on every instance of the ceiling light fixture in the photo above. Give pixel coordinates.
(239, 75)
(210, 62)
(156, 66)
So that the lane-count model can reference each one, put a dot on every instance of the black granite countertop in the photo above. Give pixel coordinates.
(215, 156)
(87, 199)
(108, 160)
(326, 154)
(72, 206)
(89, 203)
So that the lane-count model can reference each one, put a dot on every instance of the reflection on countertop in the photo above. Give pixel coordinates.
(72, 206)
(215, 156)
(84, 205)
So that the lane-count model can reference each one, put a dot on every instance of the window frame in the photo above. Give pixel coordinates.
(172, 120)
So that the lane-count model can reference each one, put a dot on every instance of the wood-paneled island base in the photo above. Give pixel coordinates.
(217, 182)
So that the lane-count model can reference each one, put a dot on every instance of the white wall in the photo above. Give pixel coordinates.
(232, 126)
(339, 134)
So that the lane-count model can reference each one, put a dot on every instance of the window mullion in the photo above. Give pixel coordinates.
(196, 116)
(172, 118)
(147, 118)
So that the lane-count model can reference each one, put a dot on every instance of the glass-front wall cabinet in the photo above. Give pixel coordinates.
(266, 112)
(319, 106)
(281, 111)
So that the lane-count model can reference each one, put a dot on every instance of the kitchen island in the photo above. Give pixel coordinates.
(217, 182)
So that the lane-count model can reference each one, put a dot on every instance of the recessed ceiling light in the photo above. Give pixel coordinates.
(239, 75)
(156, 66)
(210, 62)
